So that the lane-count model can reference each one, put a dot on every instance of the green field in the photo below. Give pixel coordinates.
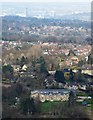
(89, 101)
(48, 106)
(82, 94)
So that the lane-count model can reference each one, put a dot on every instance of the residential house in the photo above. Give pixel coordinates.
(51, 95)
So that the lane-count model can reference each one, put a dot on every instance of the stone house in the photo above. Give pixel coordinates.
(51, 95)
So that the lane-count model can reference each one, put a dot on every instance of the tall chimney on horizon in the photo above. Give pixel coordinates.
(26, 12)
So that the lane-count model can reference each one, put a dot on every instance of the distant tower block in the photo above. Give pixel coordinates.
(26, 12)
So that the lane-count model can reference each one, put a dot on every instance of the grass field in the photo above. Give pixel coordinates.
(48, 106)
(89, 101)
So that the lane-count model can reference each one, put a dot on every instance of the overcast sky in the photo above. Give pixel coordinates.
(45, 0)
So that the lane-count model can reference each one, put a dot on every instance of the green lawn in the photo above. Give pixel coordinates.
(82, 94)
(48, 106)
(89, 101)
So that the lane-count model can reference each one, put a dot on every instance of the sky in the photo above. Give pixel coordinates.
(40, 7)
(45, 0)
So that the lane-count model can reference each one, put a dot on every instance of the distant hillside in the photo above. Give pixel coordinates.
(34, 29)
(85, 16)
